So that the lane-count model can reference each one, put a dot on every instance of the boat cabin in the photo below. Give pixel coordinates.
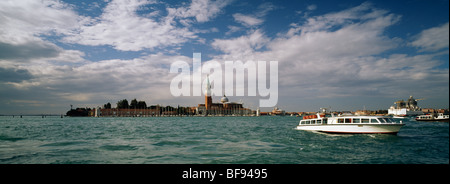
(347, 120)
(314, 121)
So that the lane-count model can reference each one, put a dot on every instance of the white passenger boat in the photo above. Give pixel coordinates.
(433, 117)
(350, 124)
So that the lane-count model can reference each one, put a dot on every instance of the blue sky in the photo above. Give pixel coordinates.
(343, 54)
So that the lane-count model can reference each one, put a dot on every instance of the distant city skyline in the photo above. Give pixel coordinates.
(346, 55)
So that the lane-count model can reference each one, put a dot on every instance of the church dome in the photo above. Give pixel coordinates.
(224, 99)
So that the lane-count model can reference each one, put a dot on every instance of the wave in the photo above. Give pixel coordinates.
(9, 138)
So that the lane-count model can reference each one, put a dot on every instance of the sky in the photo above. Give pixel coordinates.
(347, 55)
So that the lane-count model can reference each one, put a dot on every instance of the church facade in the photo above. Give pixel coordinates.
(222, 108)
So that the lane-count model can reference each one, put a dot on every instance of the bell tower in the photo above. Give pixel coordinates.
(208, 99)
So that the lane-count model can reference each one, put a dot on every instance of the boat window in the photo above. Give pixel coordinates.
(302, 122)
(325, 121)
(356, 120)
(308, 122)
(319, 121)
(373, 121)
(388, 120)
(364, 120)
(340, 120)
(313, 121)
(348, 120)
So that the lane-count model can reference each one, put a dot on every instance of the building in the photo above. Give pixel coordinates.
(222, 108)
(278, 112)
(97, 111)
(209, 108)
(363, 112)
(130, 112)
(408, 108)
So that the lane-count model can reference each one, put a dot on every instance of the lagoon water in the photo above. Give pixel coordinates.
(210, 140)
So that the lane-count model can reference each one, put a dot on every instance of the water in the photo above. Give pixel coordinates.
(211, 140)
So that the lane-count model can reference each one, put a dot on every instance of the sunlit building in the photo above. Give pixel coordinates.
(222, 108)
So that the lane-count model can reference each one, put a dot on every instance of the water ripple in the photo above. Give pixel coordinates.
(248, 140)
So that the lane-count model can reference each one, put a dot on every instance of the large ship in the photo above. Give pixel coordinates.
(408, 108)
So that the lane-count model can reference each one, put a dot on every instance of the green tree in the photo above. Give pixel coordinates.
(141, 105)
(133, 104)
(107, 106)
(122, 104)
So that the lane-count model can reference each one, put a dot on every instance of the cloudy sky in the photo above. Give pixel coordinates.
(344, 54)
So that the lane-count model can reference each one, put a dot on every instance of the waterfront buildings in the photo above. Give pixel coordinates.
(222, 108)
(408, 108)
(226, 108)
(209, 108)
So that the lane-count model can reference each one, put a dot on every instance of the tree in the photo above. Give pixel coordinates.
(141, 105)
(107, 106)
(133, 104)
(122, 104)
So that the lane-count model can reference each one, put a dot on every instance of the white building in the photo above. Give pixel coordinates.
(408, 108)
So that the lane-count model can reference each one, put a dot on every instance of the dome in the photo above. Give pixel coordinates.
(224, 99)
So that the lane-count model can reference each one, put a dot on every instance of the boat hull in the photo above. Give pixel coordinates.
(354, 128)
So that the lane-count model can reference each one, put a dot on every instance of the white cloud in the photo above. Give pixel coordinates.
(145, 78)
(24, 20)
(241, 46)
(433, 39)
(312, 7)
(24, 23)
(338, 55)
(120, 27)
(202, 10)
(364, 13)
(247, 20)
(59, 76)
(232, 30)
(255, 19)
(333, 55)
